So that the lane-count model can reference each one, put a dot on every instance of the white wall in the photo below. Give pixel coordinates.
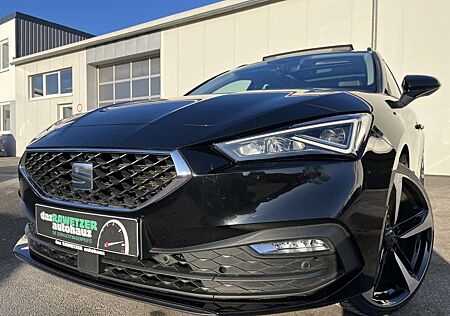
(414, 38)
(7, 87)
(7, 76)
(33, 116)
(196, 52)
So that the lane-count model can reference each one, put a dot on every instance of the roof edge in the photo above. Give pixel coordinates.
(186, 17)
(68, 29)
(20, 15)
(8, 18)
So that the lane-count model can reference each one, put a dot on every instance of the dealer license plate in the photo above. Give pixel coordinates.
(88, 232)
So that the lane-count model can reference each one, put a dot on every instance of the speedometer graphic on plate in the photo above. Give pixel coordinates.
(113, 237)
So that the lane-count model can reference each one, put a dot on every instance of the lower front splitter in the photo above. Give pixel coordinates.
(22, 252)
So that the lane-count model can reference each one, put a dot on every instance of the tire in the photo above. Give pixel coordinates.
(406, 249)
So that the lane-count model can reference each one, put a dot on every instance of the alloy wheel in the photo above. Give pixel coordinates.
(407, 245)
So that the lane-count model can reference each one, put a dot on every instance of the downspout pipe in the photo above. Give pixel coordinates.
(373, 43)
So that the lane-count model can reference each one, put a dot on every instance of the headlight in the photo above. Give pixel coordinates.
(342, 134)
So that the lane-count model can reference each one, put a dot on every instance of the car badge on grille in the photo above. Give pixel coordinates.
(82, 176)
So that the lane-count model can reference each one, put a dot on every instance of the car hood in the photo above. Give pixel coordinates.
(172, 124)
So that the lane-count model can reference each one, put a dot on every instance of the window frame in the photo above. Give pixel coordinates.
(389, 89)
(2, 129)
(60, 81)
(45, 76)
(2, 42)
(44, 85)
(129, 80)
(61, 108)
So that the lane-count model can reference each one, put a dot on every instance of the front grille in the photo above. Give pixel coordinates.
(240, 261)
(228, 271)
(68, 259)
(158, 280)
(226, 286)
(121, 180)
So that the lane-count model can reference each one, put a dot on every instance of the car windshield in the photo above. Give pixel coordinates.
(342, 71)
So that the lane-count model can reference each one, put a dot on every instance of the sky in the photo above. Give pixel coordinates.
(99, 16)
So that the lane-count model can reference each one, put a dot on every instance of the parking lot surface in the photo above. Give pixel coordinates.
(27, 291)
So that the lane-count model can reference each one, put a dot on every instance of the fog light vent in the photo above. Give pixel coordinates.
(291, 246)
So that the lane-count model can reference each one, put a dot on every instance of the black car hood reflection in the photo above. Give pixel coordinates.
(168, 125)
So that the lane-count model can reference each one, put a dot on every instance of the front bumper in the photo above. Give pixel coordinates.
(205, 228)
(244, 283)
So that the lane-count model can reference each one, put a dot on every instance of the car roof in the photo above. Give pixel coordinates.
(310, 51)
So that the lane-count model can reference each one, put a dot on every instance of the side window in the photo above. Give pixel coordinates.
(391, 84)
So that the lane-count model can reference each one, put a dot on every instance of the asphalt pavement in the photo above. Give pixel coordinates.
(27, 291)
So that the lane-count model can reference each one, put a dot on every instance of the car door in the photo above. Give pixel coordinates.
(414, 130)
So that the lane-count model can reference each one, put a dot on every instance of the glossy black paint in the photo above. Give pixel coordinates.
(420, 86)
(416, 86)
(257, 196)
(168, 125)
(224, 199)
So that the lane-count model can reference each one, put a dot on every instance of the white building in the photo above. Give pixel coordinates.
(22, 35)
(169, 56)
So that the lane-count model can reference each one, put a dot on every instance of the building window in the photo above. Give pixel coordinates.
(65, 111)
(5, 117)
(4, 55)
(139, 79)
(66, 81)
(54, 83)
(37, 86)
(51, 84)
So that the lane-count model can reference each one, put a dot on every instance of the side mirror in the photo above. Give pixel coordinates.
(415, 86)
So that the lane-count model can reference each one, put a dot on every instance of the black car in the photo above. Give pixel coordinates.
(292, 183)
